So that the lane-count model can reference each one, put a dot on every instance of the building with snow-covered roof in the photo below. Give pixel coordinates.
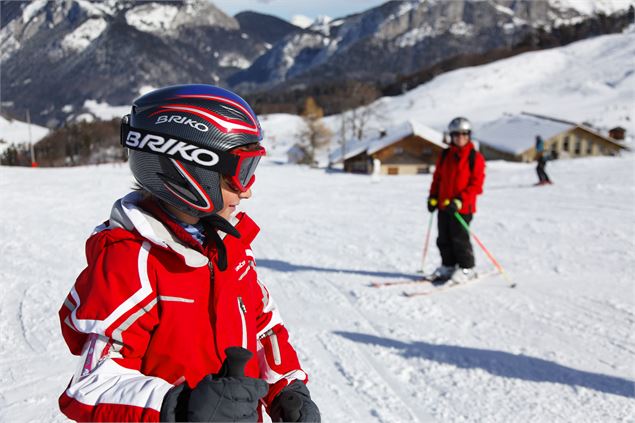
(408, 148)
(513, 137)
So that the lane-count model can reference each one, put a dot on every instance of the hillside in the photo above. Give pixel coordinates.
(588, 81)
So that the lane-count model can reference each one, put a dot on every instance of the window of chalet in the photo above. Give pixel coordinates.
(578, 146)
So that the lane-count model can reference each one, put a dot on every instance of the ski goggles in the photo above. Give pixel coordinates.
(243, 176)
(238, 165)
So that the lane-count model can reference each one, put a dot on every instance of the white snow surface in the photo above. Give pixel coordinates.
(81, 37)
(281, 132)
(301, 21)
(104, 111)
(15, 132)
(152, 17)
(234, 60)
(32, 9)
(558, 348)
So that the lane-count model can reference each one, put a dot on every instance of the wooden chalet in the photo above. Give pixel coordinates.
(406, 149)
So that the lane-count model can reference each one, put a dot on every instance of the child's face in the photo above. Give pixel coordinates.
(460, 138)
(231, 198)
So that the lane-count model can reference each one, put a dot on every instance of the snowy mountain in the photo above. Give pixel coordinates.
(401, 37)
(109, 52)
(112, 51)
(557, 348)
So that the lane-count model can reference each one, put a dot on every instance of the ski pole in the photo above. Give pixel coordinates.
(480, 244)
(426, 243)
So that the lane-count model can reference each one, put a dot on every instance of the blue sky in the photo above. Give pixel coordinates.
(286, 9)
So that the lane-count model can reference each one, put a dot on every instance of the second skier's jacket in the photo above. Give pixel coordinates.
(454, 177)
(152, 310)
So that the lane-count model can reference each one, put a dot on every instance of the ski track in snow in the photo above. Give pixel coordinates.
(559, 347)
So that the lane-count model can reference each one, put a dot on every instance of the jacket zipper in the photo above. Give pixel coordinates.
(242, 310)
(210, 265)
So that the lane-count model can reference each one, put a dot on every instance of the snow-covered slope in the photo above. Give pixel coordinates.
(558, 348)
(588, 81)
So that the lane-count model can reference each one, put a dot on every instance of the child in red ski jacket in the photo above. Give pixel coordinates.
(171, 280)
(457, 181)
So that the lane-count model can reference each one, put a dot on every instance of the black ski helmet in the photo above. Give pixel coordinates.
(179, 140)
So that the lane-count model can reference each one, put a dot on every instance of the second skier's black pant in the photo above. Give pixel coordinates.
(540, 170)
(454, 241)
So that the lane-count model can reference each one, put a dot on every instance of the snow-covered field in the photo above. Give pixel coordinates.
(559, 347)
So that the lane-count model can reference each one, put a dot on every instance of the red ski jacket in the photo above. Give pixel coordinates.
(151, 311)
(453, 177)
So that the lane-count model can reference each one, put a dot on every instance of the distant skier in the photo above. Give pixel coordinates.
(171, 282)
(457, 180)
(541, 159)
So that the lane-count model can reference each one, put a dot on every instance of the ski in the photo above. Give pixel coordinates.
(448, 286)
(423, 280)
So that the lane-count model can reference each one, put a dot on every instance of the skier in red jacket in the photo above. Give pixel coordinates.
(457, 180)
(171, 279)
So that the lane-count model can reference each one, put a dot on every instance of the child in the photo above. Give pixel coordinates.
(457, 181)
(171, 283)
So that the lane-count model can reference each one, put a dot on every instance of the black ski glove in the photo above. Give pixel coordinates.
(225, 397)
(454, 205)
(294, 404)
(432, 204)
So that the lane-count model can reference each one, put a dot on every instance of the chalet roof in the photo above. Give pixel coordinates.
(517, 133)
(376, 142)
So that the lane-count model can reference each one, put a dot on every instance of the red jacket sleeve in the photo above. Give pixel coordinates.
(279, 364)
(475, 183)
(107, 318)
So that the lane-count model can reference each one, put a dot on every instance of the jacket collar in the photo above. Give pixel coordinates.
(150, 221)
(462, 151)
(130, 213)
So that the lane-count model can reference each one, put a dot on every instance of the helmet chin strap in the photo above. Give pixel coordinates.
(212, 224)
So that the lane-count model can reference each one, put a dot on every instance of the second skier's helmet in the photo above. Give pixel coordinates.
(461, 125)
(182, 138)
